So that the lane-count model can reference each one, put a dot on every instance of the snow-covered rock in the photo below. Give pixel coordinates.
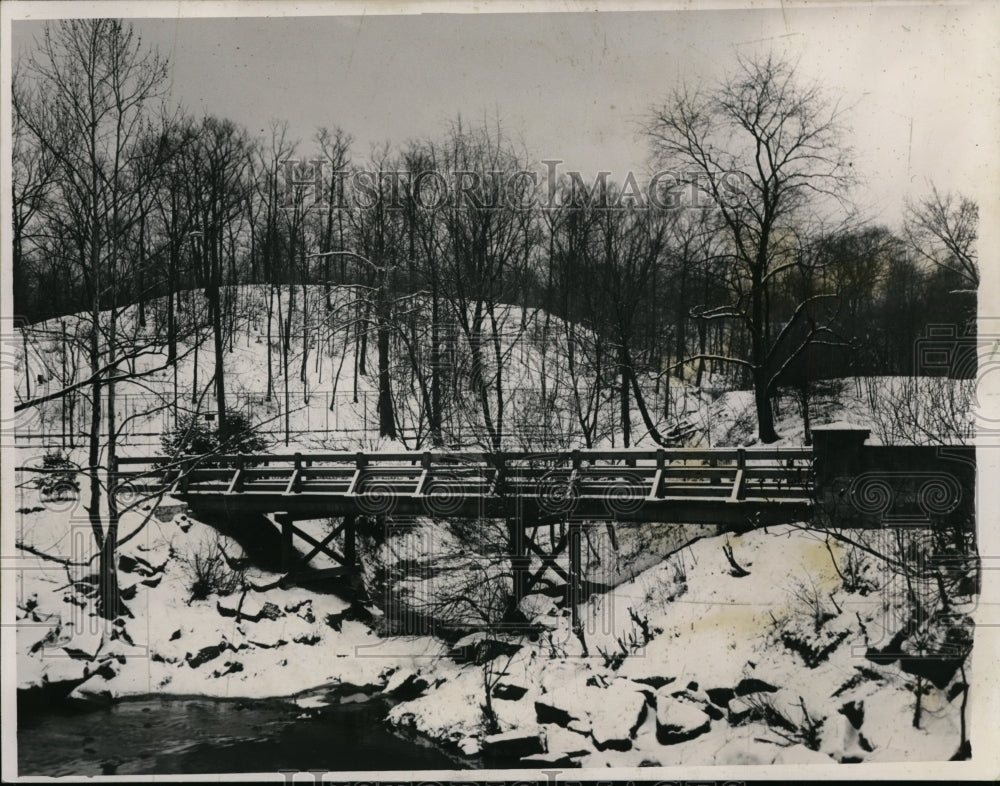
(678, 720)
(509, 690)
(513, 744)
(800, 754)
(562, 741)
(615, 720)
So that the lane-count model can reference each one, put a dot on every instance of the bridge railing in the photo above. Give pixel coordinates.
(735, 474)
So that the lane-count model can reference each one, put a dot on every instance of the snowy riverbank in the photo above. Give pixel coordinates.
(686, 662)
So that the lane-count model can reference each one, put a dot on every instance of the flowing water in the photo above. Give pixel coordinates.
(203, 735)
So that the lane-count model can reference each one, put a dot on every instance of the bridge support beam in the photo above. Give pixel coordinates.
(575, 573)
(520, 564)
(284, 522)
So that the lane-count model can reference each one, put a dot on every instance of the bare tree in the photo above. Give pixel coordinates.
(83, 97)
(766, 152)
(943, 229)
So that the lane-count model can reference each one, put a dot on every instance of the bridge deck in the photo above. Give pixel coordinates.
(722, 485)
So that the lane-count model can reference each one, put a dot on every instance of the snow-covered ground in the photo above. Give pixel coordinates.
(326, 411)
(723, 678)
(682, 662)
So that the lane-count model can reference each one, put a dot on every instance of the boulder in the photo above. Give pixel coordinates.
(566, 704)
(513, 744)
(539, 760)
(547, 711)
(655, 682)
(678, 719)
(509, 691)
(229, 667)
(58, 670)
(84, 644)
(746, 708)
(753, 685)
(854, 711)
(579, 726)
(251, 610)
(615, 721)
(564, 742)
(720, 696)
(205, 654)
(800, 754)
(625, 684)
(479, 648)
(405, 684)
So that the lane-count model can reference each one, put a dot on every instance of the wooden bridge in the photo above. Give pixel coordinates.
(544, 497)
(717, 486)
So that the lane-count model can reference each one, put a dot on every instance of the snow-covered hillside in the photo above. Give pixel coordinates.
(329, 407)
(810, 651)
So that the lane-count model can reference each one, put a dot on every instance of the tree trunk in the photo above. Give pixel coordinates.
(626, 413)
(435, 413)
(386, 415)
(762, 402)
(215, 305)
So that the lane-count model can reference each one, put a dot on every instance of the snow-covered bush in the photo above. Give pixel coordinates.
(58, 480)
(195, 436)
(209, 571)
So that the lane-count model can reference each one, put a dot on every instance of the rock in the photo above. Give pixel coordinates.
(152, 582)
(106, 668)
(266, 645)
(548, 760)
(479, 648)
(251, 610)
(135, 564)
(655, 682)
(743, 751)
(537, 606)
(854, 711)
(509, 691)
(546, 711)
(128, 591)
(307, 638)
(679, 720)
(165, 513)
(94, 690)
(175, 635)
(229, 667)
(562, 741)
(579, 726)
(64, 671)
(469, 746)
(559, 674)
(512, 744)
(205, 654)
(720, 696)
(623, 683)
(405, 685)
(746, 708)
(753, 685)
(270, 611)
(800, 754)
(84, 644)
(615, 721)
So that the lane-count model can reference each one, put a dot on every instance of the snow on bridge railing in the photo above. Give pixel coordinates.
(490, 457)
